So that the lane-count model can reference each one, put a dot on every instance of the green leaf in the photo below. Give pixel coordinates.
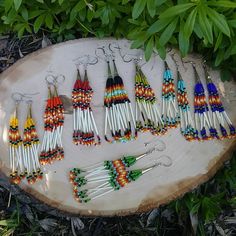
(159, 25)
(189, 25)
(33, 14)
(149, 49)
(38, 22)
(17, 4)
(159, 2)
(183, 40)
(167, 33)
(233, 50)
(176, 10)
(138, 8)
(41, 1)
(232, 23)
(219, 21)
(219, 57)
(49, 21)
(218, 41)
(90, 15)
(151, 7)
(78, 7)
(8, 4)
(204, 23)
(60, 1)
(20, 32)
(226, 4)
(24, 13)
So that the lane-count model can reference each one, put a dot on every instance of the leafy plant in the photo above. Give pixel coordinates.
(208, 27)
(208, 201)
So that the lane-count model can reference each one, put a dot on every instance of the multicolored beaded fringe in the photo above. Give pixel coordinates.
(118, 111)
(218, 112)
(186, 122)
(170, 115)
(83, 121)
(24, 153)
(18, 170)
(146, 114)
(103, 178)
(201, 112)
(52, 148)
(30, 150)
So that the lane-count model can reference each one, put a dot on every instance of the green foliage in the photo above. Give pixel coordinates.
(208, 27)
(209, 200)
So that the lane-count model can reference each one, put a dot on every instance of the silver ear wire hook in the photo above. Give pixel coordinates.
(160, 163)
(89, 60)
(59, 79)
(116, 47)
(165, 164)
(159, 145)
(17, 97)
(106, 55)
(50, 79)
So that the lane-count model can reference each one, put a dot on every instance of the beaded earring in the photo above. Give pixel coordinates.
(186, 122)
(30, 148)
(83, 120)
(218, 112)
(170, 115)
(51, 148)
(97, 180)
(147, 115)
(201, 111)
(119, 116)
(17, 164)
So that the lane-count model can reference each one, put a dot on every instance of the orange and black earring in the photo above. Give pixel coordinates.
(15, 144)
(30, 148)
(85, 129)
(52, 148)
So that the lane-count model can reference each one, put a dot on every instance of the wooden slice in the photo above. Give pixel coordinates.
(193, 162)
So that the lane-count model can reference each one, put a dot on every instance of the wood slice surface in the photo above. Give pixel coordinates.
(193, 162)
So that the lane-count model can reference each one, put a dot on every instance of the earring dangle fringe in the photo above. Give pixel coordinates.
(201, 111)
(17, 164)
(170, 115)
(30, 149)
(118, 111)
(51, 148)
(84, 123)
(103, 178)
(186, 122)
(218, 111)
(147, 114)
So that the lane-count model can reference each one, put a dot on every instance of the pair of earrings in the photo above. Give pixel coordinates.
(215, 120)
(52, 148)
(119, 117)
(84, 124)
(23, 153)
(147, 115)
(98, 180)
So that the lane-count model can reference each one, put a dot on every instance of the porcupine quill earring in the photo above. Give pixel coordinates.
(170, 115)
(118, 111)
(51, 148)
(108, 176)
(30, 148)
(147, 115)
(83, 119)
(17, 164)
(201, 110)
(186, 122)
(218, 112)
